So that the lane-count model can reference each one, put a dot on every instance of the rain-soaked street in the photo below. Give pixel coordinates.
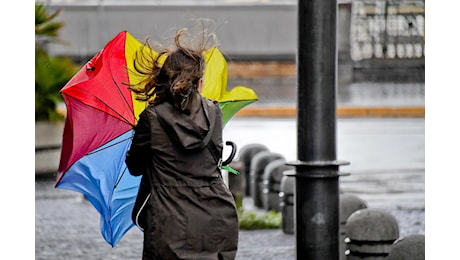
(387, 170)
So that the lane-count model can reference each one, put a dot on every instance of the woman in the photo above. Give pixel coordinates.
(191, 214)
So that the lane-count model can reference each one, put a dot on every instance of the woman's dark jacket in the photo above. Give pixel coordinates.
(191, 214)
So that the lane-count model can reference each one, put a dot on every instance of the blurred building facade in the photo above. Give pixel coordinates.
(381, 43)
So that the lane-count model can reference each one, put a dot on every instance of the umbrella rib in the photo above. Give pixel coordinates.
(101, 149)
(126, 167)
(130, 108)
(121, 116)
(121, 176)
(107, 105)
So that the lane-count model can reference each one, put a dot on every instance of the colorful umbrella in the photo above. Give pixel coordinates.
(101, 114)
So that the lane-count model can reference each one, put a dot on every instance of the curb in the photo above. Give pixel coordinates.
(342, 112)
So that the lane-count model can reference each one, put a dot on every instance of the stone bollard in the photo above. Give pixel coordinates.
(245, 155)
(287, 202)
(411, 247)
(256, 171)
(273, 174)
(370, 234)
(48, 140)
(349, 203)
(237, 183)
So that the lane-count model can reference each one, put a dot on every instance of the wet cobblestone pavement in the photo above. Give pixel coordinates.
(67, 226)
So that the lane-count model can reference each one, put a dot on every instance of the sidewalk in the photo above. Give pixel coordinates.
(278, 245)
(67, 227)
(387, 171)
(264, 243)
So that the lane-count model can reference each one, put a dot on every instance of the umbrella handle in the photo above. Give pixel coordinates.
(232, 154)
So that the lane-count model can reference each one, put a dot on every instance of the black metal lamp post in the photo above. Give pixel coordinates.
(317, 170)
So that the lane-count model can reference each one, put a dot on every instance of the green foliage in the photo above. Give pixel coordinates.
(44, 24)
(252, 220)
(51, 73)
(238, 201)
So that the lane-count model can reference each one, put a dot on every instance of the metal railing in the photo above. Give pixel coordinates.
(387, 29)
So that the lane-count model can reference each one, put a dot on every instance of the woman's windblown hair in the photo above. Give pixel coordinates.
(173, 73)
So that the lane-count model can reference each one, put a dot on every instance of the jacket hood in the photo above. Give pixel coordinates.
(189, 130)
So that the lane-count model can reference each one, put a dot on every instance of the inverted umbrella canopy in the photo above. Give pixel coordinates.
(101, 115)
(215, 86)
